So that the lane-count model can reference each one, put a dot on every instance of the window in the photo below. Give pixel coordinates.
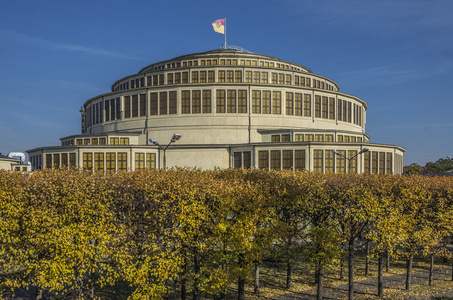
(307, 105)
(185, 102)
(299, 138)
(231, 101)
(248, 76)
(299, 160)
(237, 164)
(286, 138)
(287, 159)
(317, 106)
(194, 77)
(298, 104)
(328, 138)
(388, 164)
(196, 102)
(153, 104)
(242, 101)
(256, 77)
(366, 162)
(79, 141)
(263, 159)
(319, 138)
(247, 156)
(276, 160)
(177, 78)
(352, 162)
(110, 162)
(99, 161)
(281, 78)
(114, 141)
(220, 101)
(122, 161)
(127, 106)
(102, 141)
(161, 79)
(206, 101)
(274, 78)
(221, 76)
(151, 161)
(381, 162)
(211, 75)
(202, 76)
(170, 78)
(325, 105)
(56, 160)
(289, 103)
(142, 105)
(185, 77)
(237, 76)
(48, 161)
(107, 110)
(230, 75)
(266, 102)
(275, 138)
(339, 138)
(172, 103)
(341, 161)
(72, 160)
(318, 160)
(88, 161)
(288, 79)
(135, 106)
(264, 77)
(256, 102)
(330, 162)
(276, 103)
(124, 141)
(139, 161)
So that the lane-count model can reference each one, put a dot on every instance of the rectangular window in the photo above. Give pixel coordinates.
(276, 103)
(170, 78)
(177, 78)
(276, 159)
(172, 103)
(155, 80)
(299, 138)
(274, 78)
(341, 161)
(230, 76)
(309, 137)
(281, 78)
(127, 106)
(242, 101)
(298, 104)
(325, 105)
(196, 102)
(328, 138)
(56, 160)
(220, 101)
(248, 76)
(72, 160)
(88, 161)
(288, 79)
(151, 161)
(266, 102)
(134, 106)
(211, 75)
(107, 110)
(48, 161)
(110, 162)
(289, 103)
(318, 157)
(389, 163)
(194, 77)
(317, 106)
(256, 77)
(139, 161)
(256, 102)
(287, 159)
(185, 77)
(142, 105)
(319, 138)
(122, 161)
(185, 102)
(286, 138)
(299, 160)
(275, 138)
(163, 109)
(112, 109)
(99, 162)
(345, 111)
(124, 141)
(381, 162)
(161, 79)
(330, 162)
(206, 101)
(247, 156)
(238, 76)
(231, 101)
(264, 77)
(237, 163)
(221, 76)
(102, 141)
(367, 162)
(263, 159)
(118, 109)
(307, 105)
(352, 162)
(340, 109)
(153, 105)
(349, 112)
(202, 76)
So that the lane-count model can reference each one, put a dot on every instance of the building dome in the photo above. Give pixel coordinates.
(231, 108)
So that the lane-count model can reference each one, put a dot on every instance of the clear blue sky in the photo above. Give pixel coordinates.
(397, 55)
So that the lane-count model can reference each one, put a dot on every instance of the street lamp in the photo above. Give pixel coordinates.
(174, 138)
(351, 158)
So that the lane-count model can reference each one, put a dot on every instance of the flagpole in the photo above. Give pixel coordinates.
(225, 46)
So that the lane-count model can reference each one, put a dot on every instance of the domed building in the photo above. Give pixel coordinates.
(220, 109)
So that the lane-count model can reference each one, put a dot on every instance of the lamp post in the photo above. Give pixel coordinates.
(351, 158)
(174, 138)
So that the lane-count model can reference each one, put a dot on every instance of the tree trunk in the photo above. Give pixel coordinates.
(196, 267)
(257, 278)
(351, 270)
(241, 289)
(387, 261)
(320, 291)
(431, 271)
(342, 267)
(316, 271)
(288, 273)
(409, 272)
(381, 275)
(367, 259)
(38, 293)
(184, 280)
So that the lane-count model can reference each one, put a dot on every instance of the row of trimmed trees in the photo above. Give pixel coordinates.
(76, 233)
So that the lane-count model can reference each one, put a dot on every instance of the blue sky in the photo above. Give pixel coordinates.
(396, 55)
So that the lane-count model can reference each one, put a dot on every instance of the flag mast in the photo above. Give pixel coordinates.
(225, 46)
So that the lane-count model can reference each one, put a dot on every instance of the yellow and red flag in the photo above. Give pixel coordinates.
(219, 26)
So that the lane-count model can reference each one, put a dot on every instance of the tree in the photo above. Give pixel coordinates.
(413, 168)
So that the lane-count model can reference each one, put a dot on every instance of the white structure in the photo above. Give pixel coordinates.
(232, 109)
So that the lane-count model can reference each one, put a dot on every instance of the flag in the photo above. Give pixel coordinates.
(219, 26)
